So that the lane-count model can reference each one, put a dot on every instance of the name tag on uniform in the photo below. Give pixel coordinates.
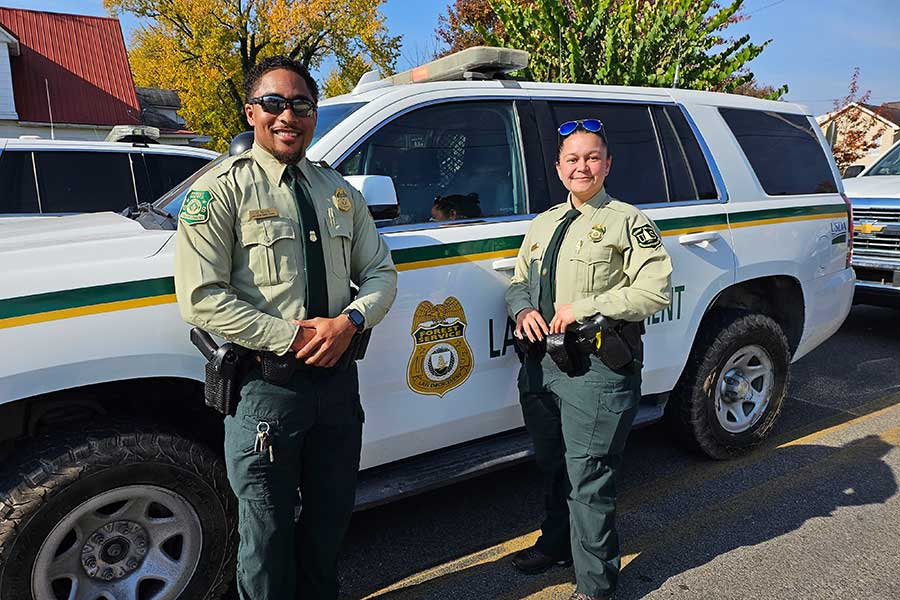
(263, 213)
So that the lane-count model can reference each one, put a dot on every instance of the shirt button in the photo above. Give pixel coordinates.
(544, 272)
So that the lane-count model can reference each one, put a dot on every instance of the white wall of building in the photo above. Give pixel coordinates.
(7, 101)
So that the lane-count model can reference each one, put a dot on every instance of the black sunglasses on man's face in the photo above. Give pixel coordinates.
(275, 105)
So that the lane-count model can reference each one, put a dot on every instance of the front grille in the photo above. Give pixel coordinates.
(877, 244)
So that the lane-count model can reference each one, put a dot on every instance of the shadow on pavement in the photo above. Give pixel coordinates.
(813, 481)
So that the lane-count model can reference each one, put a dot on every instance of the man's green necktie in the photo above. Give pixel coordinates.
(316, 284)
(548, 265)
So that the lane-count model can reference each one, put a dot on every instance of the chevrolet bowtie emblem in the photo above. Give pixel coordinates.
(868, 228)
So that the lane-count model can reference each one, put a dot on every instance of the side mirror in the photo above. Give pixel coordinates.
(380, 194)
(241, 143)
(852, 171)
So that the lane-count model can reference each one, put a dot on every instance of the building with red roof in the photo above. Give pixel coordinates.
(68, 71)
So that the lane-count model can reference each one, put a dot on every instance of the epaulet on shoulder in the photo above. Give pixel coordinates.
(622, 207)
(321, 163)
(558, 207)
(229, 163)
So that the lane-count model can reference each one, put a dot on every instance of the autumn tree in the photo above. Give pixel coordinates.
(848, 129)
(203, 49)
(458, 28)
(626, 42)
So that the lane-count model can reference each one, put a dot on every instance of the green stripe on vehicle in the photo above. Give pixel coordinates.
(131, 290)
(454, 249)
(98, 294)
(786, 213)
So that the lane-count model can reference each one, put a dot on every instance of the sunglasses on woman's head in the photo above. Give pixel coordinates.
(590, 125)
(275, 105)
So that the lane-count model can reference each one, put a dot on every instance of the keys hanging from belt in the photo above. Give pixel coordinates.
(263, 442)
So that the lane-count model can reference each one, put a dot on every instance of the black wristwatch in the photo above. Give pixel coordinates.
(357, 318)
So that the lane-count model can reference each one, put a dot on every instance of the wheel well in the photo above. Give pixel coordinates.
(780, 297)
(172, 402)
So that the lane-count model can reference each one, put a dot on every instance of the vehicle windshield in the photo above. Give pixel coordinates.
(329, 117)
(171, 201)
(332, 114)
(889, 164)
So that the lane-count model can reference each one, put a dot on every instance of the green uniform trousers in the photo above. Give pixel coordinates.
(315, 429)
(579, 425)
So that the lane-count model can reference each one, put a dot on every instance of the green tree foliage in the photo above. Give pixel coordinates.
(627, 42)
(203, 49)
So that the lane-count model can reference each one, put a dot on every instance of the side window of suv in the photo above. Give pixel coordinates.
(636, 175)
(783, 151)
(467, 153)
(687, 173)
(165, 171)
(19, 194)
(84, 181)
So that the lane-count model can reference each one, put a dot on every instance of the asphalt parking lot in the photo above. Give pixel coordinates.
(815, 513)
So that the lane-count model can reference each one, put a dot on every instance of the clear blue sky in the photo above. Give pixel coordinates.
(815, 43)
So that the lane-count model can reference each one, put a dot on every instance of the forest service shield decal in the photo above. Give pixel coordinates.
(441, 358)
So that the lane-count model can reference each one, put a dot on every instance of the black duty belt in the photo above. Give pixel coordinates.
(617, 343)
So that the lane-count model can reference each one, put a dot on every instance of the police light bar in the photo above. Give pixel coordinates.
(130, 132)
(484, 60)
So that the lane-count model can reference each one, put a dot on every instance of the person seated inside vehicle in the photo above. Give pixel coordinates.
(454, 207)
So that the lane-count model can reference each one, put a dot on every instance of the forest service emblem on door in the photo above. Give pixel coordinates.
(441, 359)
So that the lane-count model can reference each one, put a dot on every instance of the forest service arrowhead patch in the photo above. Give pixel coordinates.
(196, 207)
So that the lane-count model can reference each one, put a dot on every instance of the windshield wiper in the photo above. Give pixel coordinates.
(133, 212)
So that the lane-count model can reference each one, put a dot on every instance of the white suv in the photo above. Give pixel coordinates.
(55, 177)
(100, 403)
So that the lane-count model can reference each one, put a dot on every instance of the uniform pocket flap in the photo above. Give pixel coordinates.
(266, 232)
(339, 225)
(593, 253)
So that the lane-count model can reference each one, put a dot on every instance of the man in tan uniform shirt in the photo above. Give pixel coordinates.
(267, 246)
(589, 255)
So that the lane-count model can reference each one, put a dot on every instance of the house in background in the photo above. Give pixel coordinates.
(67, 77)
(884, 128)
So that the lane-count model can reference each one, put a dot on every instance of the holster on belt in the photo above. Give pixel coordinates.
(616, 342)
(225, 368)
(527, 349)
(279, 369)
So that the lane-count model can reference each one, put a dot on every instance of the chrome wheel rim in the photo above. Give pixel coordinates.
(138, 542)
(744, 388)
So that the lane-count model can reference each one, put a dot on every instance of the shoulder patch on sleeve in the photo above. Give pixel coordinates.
(195, 208)
(646, 236)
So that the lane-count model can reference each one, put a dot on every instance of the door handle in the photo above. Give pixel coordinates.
(698, 238)
(504, 264)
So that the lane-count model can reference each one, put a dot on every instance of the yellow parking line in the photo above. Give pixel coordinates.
(492, 554)
(820, 434)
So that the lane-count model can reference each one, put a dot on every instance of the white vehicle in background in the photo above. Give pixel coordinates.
(875, 196)
(41, 177)
(112, 480)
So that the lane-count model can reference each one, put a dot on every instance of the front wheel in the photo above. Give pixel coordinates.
(117, 513)
(733, 387)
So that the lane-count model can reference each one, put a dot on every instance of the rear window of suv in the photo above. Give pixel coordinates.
(783, 150)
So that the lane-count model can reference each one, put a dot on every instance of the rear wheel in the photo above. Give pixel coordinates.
(732, 390)
(116, 513)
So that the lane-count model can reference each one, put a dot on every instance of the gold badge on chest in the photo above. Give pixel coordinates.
(596, 232)
(342, 200)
